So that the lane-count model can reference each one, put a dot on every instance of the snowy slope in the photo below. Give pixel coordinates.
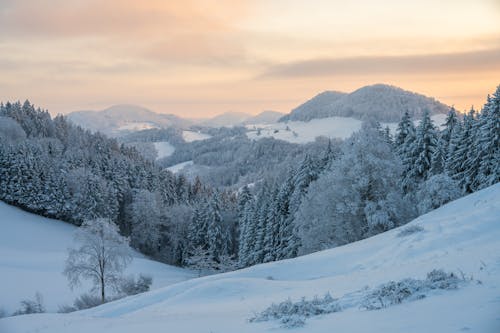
(180, 166)
(190, 136)
(32, 255)
(461, 236)
(163, 149)
(303, 132)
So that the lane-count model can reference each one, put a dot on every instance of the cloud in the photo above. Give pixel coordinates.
(485, 60)
(189, 31)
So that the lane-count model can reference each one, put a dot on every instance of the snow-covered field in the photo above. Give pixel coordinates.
(137, 126)
(190, 136)
(303, 132)
(32, 255)
(163, 149)
(463, 237)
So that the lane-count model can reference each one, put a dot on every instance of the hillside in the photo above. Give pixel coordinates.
(122, 119)
(265, 117)
(227, 119)
(383, 102)
(32, 255)
(460, 237)
(307, 131)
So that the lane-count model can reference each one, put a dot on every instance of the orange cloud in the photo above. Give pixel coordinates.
(486, 60)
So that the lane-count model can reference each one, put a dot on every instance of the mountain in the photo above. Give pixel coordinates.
(319, 106)
(124, 118)
(227, 119)
(384, 103)
(265, 117)
(460, 237)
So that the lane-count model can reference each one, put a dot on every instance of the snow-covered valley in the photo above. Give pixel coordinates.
(460, 237)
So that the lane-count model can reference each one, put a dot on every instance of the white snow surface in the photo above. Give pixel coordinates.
(163, 149)
(308, 131)
(180, 166)
(33, 250)
(462, 236)
(190, 136)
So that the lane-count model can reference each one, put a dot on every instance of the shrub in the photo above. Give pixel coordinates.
(293, 314)
(392, 293)
(87, 301)
(29, 306)
(131, 286)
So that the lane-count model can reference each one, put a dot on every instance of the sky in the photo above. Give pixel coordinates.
(198, 58)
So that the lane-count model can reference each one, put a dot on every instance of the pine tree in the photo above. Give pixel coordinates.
(485, 167)
(461, 155)
(405, 128)
(418, 163)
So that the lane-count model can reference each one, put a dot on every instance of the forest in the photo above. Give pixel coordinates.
(263, 200)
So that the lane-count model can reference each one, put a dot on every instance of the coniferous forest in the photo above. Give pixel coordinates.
(341, 192)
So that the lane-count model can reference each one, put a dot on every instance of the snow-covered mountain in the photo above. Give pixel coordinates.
(320, 106)
(265, 117)
(124, 118)
(33, 250)
(384, 103)
(226, 119)
(460, 237)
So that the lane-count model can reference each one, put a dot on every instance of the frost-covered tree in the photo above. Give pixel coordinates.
(405, 128)
(435, 192)
(418, 159)
(460, 151)
(146, 214)
(101, 257)
(487, 143)
(357, 197)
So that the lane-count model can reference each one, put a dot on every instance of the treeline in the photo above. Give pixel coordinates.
(374, 183)
(56, 169)
(302, 198)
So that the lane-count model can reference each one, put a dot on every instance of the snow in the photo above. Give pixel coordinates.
(32, 256)
(462, 236)
(178, 167)
(137, 126)
(331, 127)
(190, 136)
(163, 149)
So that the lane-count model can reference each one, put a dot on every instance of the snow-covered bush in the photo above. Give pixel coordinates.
(87, 301)
(3, 313)
(130, 286)
(392, 293)
(409, 230)
(435, 192)
(31, 306)
(293, 314)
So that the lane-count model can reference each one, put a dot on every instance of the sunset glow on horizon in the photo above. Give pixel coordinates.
(198, 58)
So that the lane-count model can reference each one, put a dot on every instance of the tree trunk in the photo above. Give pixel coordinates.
(103, 299)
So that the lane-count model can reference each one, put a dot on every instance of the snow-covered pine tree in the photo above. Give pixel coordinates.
(443, 144)
(488, 143)
(460, 151)
(418, 162)
(405, 128)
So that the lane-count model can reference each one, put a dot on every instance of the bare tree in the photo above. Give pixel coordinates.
(101, 257)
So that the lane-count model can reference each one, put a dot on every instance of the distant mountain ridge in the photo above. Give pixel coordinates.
(383, 102)
(125, 118)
